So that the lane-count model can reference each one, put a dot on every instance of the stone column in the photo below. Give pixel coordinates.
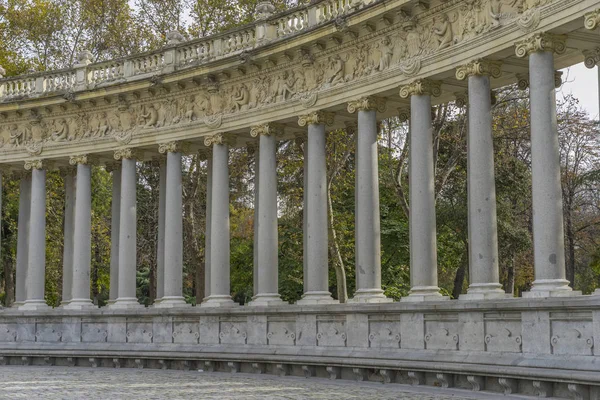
(267, 292)
(160, 245)
(548, 230)
(368, 231)
(36, 268)
(317, 266)
(422, 226)
(68, 175)
(127, 231)
(82, 235)
(220, 293)
(484, 272)
(256, 245)
(22, 239)
(207, 237)
(115, 169)
(173, 229)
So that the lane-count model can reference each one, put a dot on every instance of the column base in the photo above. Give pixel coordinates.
(551, 288)
(424, 293)
(596, 293)
(17, 304)
(315, 298)
(369, 296)
(126, 302)
(110, 303)
(267, 299)
(171, 302)
(219, 301)
(485, 291)
(34, 305)
(78, 304)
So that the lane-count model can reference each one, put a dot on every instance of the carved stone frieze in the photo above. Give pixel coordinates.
(479, 67)
(316, 118)
(367, 104)
(421, 87)
(541, 42)
(267, 129)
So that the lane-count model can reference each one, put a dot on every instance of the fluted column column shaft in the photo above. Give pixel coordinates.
(82, 238)
(484, 273)
(114, 234)
(127, 236)
(173, 244)
(422, 224)
(268, 279)
(220, 293)
(160, 247)
(36, 271)
(548, 229)
(207, 239)
(256, 248)
(67, 289)
(22, 239)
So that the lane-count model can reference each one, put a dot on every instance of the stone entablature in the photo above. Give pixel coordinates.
(303, 59)
(508, 346)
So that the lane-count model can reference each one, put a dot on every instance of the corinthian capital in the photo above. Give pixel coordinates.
(33, 164)
(421, 87)
(266, 130)
(367, 104)
(479, 67)
(218, 138)
(541, 42)
(125, 154)
(592, 19)
(169, 147)
(316, 118)
(79, 159)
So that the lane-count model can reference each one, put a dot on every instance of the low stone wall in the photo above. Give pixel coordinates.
(541, 347)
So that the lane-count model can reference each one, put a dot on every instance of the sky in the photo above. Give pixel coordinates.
(582, 83)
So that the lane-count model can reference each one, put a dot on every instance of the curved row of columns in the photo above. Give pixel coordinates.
(483, 247)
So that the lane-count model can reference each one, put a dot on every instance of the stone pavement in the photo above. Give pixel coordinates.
(51, 383)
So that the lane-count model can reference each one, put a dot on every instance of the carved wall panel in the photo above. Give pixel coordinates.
(281, 331)
(93, 331)
(503, 332)
(572, 333)
(8, 332)
(441, 332)
(186, 331)
(48, 331)
(331, 330)
(233, 330)
(139, 330)
(384, 331)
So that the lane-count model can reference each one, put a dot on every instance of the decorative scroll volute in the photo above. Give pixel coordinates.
(266, 130)
(479, 67)
(125, 154)
(316, 118)
(541, 42)
(79, 159)
(214, 139)
(592, 19)
(367, 104)
(33, 164)
(404, 114)
(169, 147)
(592, 57)
(421, 87)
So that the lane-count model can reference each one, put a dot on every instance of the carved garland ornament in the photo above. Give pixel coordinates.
(367, 104)
(316, 118)
(421, 87)
(478, 68)
(266, 130)
(541, 42)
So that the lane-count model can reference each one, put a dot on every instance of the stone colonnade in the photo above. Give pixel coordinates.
(483, 247)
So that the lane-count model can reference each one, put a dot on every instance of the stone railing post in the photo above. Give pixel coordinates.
(174, 38)
(264, 30)
(81, 70)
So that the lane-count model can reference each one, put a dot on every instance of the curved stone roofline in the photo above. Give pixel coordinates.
(239, 39)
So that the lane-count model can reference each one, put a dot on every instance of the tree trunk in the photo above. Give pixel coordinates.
(335, 254)
(95, 266)
(570, 234)
(459, 278)
(200, 282)
(509, 285)
(9, 287)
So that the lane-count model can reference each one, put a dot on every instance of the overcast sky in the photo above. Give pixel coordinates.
(583, 84)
